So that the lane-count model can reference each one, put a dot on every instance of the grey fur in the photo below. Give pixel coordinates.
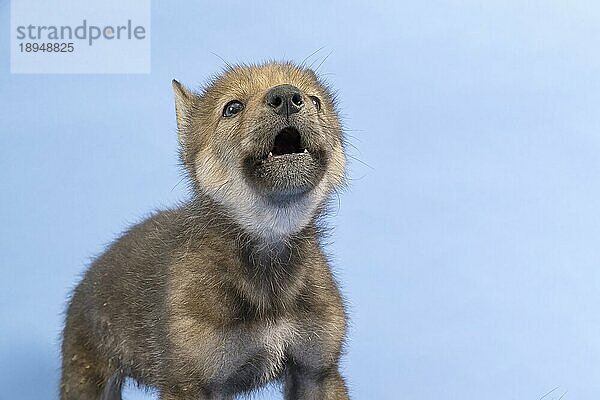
(230, 290)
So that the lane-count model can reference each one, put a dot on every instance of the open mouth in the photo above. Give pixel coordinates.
(287, 141)
(285, 170)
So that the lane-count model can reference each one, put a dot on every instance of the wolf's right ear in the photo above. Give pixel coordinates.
(184, 100)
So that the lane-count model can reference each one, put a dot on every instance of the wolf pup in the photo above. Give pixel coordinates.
(231, 290)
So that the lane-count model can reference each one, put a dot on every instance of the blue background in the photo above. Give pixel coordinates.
(468, 243)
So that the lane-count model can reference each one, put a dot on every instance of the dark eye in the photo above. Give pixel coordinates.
(316, 101)
(232, 108)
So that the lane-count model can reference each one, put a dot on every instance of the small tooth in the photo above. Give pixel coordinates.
(305, 150)
(270, 154)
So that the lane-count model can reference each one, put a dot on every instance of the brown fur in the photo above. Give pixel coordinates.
(231, 290)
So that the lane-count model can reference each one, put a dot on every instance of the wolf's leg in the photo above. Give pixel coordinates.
(193, 395)
(112, 388)
(304, 385)
(85, 375)
(167, 395)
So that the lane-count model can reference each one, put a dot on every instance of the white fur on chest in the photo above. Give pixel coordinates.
(276, 338)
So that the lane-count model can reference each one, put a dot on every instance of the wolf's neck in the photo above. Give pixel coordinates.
(276, 248)
(273, 274)
(270, 272)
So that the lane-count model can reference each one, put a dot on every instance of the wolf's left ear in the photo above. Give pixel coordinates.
(184, 100)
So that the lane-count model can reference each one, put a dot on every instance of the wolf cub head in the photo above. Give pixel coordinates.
(265, 142)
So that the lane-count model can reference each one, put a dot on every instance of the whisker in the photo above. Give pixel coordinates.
(325, 59)
(178, 183)
(360, 161)
(222, 59)
(302, 64)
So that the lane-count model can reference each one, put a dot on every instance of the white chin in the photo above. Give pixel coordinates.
(263, 217)
(275, 221)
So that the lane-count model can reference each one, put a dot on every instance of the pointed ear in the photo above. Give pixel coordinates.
(184, 100)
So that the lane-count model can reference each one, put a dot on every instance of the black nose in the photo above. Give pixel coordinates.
(285, 100)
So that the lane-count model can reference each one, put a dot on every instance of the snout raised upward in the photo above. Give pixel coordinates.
(285, 100)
